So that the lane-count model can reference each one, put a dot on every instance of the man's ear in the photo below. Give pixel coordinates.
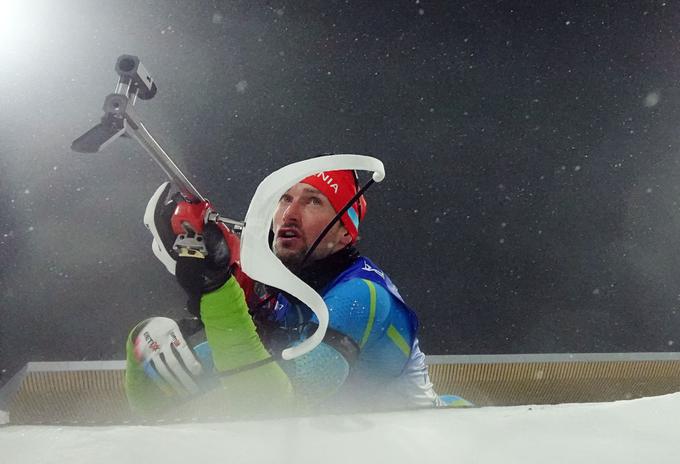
(346, 238)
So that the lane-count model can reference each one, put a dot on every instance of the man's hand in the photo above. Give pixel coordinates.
(203, 272)
(166, 357)
(200, 254)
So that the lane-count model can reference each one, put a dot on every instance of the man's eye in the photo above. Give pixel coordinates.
(315, 200)
(284, 199)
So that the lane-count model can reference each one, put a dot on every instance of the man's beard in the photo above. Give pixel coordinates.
(293, 261)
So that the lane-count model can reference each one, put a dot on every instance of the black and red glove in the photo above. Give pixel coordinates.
(202, 255)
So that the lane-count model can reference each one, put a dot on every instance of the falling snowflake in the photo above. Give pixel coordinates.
(652, 99)
(241, 86)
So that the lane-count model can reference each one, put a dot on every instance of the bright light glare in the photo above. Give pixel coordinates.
(19, 30)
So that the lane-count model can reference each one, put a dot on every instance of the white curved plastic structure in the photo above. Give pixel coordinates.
(157, 244)
(260, 263)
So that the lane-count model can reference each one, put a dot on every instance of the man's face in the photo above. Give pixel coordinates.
(303, 212)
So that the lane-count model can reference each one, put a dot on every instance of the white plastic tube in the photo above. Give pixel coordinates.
(260, 263)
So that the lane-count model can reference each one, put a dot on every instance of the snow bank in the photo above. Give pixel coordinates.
(644, 430)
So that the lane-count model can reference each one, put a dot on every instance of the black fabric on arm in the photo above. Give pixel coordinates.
(247, 367)
(340, 342)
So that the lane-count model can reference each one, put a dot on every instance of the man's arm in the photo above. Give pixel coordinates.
(248, 375)
(359, 311)
(370, 316)
(207, 274)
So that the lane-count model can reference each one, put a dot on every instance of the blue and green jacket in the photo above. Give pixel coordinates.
(370, 356)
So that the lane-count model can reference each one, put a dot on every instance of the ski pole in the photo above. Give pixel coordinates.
(120, 119)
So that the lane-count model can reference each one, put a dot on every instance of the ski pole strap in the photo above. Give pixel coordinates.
(247, 367)
(336, 219)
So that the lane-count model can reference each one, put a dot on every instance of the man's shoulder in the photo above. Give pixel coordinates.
(351, 285)
(359, 290)
(365, 269)
(359, 268)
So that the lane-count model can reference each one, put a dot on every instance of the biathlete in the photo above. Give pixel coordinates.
(369, 358)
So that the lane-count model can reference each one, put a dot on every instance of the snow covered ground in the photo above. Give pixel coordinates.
(637, 431)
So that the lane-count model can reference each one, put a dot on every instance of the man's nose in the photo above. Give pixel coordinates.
(292, 212)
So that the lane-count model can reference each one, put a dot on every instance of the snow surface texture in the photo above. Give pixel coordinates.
(636, 431)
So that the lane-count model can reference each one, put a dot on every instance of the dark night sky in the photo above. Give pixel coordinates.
(531, 199)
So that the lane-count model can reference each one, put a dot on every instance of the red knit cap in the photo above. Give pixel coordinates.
(339, 187)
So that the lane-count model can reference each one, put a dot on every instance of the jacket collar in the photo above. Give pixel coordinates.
(320, 273)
